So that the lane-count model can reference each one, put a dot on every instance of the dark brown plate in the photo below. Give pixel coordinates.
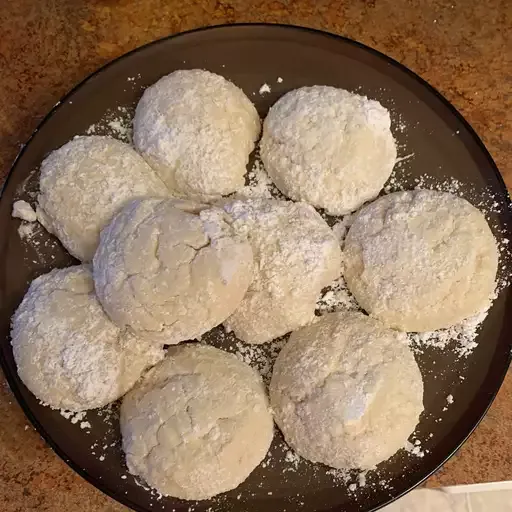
(444, 146)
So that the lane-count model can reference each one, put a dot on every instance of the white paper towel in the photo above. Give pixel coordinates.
(493, 497)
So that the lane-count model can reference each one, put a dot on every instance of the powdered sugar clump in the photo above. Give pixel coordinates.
(76, 417)
(414, 449)
(264, 89)
(22, 210)
(292, 458)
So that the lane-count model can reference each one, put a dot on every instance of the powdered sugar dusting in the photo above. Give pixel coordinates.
(258, 183)
(26, 230)
(336, 297)
(461, 338)
(116, 123)
(292, 458)
(40, 248)
(261, 357)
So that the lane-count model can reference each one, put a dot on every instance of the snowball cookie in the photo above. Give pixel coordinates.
(346, 391)
(197, 424)
(196, 129)
(328, 147)
(68, 352)
(421, 260)
(296, 255)
(84, 183)
(170, 274)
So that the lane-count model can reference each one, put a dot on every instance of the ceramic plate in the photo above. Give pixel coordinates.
(427, 128)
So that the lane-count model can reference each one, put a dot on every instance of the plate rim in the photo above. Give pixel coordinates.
(93, 480)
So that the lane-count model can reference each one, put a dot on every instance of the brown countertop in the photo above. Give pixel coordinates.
(46, 46)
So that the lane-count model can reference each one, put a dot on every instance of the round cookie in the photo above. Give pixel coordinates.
(84, 183)
(328, 147)
(68, 352)
(296, 255)
(346, 391)
(169, 273)
(197, 424)
(421, 260)
(196, 129)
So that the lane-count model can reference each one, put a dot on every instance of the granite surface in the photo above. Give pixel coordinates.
(463, 48)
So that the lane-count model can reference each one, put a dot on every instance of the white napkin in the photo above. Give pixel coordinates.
(494, 497)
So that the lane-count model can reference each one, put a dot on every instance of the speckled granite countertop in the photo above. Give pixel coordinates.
(463, 48)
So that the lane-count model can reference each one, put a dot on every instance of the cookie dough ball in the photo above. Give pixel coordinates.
(168, 273)
(197, 424)
(84, 183)
(296, 255)
(196, 129)
(328, 147)
(346, 391)
(69, 353)
(421, 260)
